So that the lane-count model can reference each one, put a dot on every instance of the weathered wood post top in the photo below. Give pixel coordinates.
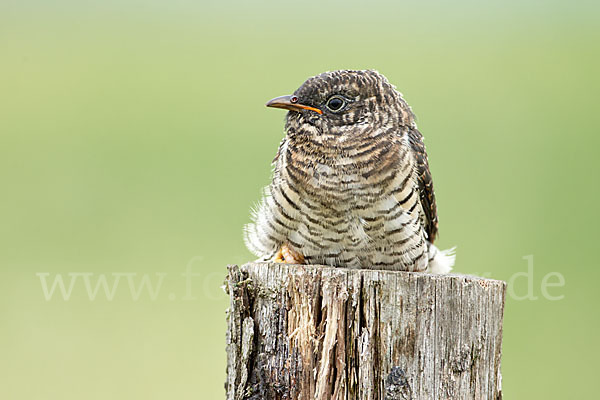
(315, 332)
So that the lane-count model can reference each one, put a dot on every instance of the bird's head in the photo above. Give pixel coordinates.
(343, 105)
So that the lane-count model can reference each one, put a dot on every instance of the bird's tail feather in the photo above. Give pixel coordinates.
(441, 261)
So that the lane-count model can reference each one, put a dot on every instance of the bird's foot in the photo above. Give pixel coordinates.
(288, 256)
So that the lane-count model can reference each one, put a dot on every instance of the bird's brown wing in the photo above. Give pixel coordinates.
(425, 183)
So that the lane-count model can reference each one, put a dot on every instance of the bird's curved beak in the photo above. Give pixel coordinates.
(290, 103)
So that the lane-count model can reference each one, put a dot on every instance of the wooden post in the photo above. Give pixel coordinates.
(313, 332)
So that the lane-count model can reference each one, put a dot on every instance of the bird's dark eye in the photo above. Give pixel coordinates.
(335, 103)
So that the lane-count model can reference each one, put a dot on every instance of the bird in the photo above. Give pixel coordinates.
(351, 185)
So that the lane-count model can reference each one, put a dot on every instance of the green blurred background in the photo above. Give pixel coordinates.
(134, 139)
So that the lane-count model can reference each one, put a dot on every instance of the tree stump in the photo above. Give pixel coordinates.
(314, 332)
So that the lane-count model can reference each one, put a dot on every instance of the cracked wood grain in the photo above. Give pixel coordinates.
(313, 332)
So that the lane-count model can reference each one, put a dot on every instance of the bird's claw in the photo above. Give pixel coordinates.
(288, 255)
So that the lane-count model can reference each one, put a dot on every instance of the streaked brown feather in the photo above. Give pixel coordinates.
(425, 184)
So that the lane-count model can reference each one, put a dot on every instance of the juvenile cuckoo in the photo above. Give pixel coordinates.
(351, 184)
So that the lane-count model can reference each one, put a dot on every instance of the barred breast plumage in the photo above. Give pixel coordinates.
(351, 185)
